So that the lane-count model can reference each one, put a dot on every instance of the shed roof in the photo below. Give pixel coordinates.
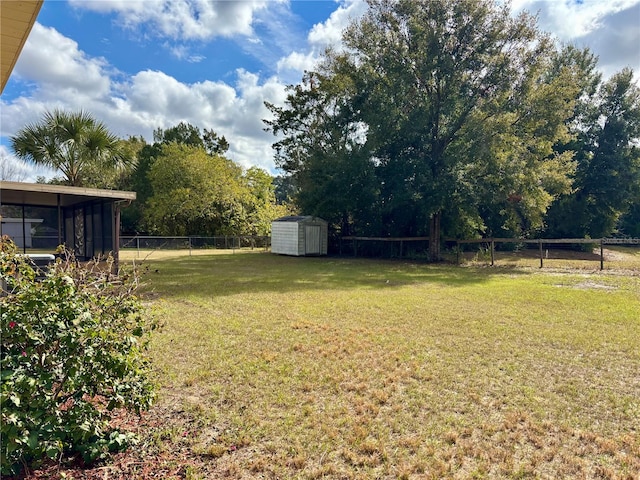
(45, 195)
(298, 219)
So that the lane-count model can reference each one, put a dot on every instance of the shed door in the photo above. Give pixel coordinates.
(312, 239)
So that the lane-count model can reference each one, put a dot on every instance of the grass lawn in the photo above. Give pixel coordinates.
(280, 367)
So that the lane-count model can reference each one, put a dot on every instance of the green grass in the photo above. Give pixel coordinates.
(280, 367)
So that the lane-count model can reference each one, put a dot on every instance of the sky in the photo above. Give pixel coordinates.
(139, 65)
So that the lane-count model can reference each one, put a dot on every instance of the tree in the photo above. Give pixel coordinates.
(285, 188)
(138, 180)
(72, 142)
(188, 134)
(450, 106)
(611, 176)
(11, 171)
(183, 133)
(261, 207)
(196, 194)
(607, 179)
(324, 153)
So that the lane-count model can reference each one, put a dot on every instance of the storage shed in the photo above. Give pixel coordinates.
(299, 236)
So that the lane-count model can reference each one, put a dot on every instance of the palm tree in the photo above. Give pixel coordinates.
(72, 142)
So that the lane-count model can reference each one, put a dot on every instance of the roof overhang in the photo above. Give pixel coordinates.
(45, 195)
(16, 20)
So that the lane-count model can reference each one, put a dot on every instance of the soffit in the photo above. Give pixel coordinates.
(37, 194)
(16, 20)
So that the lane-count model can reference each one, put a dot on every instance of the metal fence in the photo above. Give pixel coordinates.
(543, 249)
(486, 250)
(222, 242)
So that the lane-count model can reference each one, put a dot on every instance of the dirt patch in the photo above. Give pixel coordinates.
(589, 286)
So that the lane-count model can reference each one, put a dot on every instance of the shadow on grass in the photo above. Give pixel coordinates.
(262, 272)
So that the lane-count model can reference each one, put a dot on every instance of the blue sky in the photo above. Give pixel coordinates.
(139, 65)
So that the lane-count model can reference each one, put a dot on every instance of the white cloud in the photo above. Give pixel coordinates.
(329, 33)
(322, 36)
(51, 58)
(569, 19)
(147, 100)
(297, 62)
(15, 170)
(610, 29)
(182, 19)
(617, 42)
(183, 52)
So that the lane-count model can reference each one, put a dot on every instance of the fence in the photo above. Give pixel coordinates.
(484, 250)
(385, 247)
(546, 248)
(222, 242)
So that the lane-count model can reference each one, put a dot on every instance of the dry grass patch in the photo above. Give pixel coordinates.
(309, 368)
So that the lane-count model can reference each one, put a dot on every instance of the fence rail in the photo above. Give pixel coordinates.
(222, 242)
(543, 242)
(418, 246)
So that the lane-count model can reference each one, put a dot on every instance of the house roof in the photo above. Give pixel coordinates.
(45, 195)
(16, 20)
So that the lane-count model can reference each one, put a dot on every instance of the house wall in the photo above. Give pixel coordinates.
(14, 229)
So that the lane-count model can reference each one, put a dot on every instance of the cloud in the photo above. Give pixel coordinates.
(609, 29)
(297, 62)
(181, 19)
(51, 58)
(183, 52)
(15, 170)
(139, 104)
(570, 19)
(617, 42)
(322, 36)
(329, 33)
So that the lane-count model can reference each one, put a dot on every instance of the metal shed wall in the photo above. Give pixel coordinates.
(299, 236)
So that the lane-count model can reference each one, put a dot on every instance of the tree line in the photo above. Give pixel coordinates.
(456, 119)
(439, 118)
(184, 183)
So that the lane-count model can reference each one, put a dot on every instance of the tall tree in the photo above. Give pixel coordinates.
(324, 152)
(188, 134)
(74, 143)
(455, 110)
(183, 133)
(607, 178)
(195, 193)
(139, 180)
(261, 205)
(610, 178)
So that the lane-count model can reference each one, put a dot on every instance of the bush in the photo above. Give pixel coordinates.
(73, 345)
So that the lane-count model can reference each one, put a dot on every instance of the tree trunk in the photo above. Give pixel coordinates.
(434, 237)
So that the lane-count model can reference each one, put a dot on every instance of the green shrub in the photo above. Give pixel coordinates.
(73, 346)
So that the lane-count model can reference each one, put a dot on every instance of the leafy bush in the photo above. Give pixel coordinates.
(73, 345)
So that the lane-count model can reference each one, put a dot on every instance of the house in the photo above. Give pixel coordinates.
(19, 229)
(86, 220)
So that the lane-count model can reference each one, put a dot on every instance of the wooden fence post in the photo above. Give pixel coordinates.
(541, 257)
(601, 255)
(493, 246)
